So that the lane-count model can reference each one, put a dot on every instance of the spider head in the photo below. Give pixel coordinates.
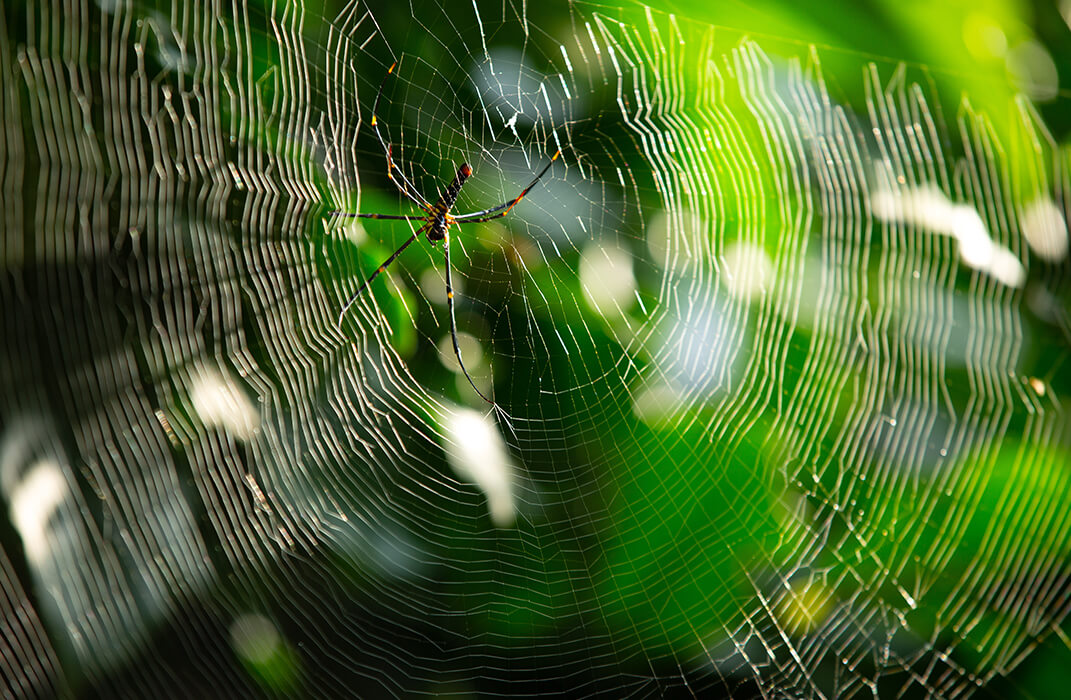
(465, 170)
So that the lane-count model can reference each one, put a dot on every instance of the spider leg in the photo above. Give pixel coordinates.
(503, 209)
(351, 215)
(492, 217)
(381, 268)
(401, 181)
(453, 319)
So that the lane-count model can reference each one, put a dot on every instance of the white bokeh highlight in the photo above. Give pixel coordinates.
(1045, 229)
(221, 402)
(928, 208)
(747, 270)
(607, 279)
(477, 453)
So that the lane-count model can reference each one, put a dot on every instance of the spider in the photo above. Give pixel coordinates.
(436, 221)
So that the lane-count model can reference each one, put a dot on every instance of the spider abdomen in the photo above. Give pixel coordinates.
(442, 208)
(437, 232)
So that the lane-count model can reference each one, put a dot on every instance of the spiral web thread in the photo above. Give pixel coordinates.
(778, 361)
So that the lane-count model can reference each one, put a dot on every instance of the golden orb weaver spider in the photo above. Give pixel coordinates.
(436, 221)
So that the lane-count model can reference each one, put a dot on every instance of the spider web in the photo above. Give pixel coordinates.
(777, 348)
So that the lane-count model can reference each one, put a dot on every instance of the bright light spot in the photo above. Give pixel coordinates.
(355, 232)
(471, 351)
(477, 454)
(984, 37)
(433, 285)
(656, 404)
(1045, 229)
(929, 208)
(219, 401)
(1038, 386)
(676, 238)
(1033, 70)
(804, 607)
(255, 638)
(914, 205)
(607, 279)
(747, 270)
(33, 501)
(963, 222)
(1006, 268)
(697, 348)
(700, 345)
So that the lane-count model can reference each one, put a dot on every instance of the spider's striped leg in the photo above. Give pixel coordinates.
(401, 181)
(405, 187)
(381, 268)
(478, 216)
(352, 215)
(342, 214)
(453, 319)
